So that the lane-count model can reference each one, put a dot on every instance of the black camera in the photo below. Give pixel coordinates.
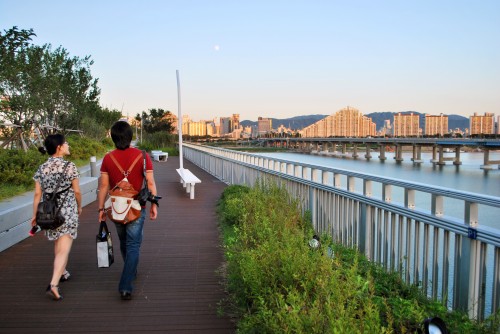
(154, 199)
(145, 195)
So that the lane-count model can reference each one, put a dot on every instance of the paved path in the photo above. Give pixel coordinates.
(177, 289)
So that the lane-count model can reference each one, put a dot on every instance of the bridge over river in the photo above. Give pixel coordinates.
(350, 147)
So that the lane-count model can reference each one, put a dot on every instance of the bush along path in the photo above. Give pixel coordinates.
(278, 283)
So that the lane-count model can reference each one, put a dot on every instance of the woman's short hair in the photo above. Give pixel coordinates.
(121, 134)
(51, 143)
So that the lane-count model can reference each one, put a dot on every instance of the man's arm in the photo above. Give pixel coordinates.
(150, 179)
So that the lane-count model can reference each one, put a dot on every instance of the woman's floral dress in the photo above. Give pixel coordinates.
(48, 175)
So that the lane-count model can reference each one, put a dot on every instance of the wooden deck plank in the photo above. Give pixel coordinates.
(177, 289)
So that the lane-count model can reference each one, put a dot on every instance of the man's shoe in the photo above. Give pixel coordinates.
(125, 295)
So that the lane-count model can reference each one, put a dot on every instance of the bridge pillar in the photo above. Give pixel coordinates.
(417, 154)
(434, 154)
(368, 155)
(331, 147)
(441, 156)
(382, 156)
(488, 164)
(457, 156)
(355, 154)
(398, 156)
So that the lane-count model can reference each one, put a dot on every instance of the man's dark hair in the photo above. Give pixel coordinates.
(51, 143)
(121, 133)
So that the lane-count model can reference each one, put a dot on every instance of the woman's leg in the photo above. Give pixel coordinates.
(62, 247)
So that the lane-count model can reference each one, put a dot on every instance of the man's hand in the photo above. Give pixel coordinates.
(102, 216)
(153, 212)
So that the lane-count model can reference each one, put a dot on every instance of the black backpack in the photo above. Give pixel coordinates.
(48, 215)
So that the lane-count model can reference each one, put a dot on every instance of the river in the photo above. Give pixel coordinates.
(468, 176)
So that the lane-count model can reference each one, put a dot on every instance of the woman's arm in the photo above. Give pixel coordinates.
(36, 200)
(75, 185)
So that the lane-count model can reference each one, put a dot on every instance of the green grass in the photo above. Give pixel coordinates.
(10, 190)
(278, 284)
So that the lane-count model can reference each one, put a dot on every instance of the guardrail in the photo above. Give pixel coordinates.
(454, 260)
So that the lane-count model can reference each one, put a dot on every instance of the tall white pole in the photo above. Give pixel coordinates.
(179, 121)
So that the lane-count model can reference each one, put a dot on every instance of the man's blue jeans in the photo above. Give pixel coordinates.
(130, 236)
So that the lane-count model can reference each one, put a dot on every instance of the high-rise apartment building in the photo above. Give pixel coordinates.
(347, 122)
(406, 125)
(235, 122)
(265, 125)
(436, 125)
(198, 128)
(225, 126)
(211, 129)
(482, 124)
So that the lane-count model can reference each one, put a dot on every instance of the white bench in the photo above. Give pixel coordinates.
(188, 180)
(159, 155)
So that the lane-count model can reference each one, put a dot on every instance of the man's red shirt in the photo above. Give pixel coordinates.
(125, 158)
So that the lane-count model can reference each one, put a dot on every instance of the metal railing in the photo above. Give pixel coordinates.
(454, 260)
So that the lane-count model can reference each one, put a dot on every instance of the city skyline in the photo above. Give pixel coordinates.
(347, 122)
(279, 59)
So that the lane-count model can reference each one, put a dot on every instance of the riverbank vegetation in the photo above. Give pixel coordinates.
(278, 283)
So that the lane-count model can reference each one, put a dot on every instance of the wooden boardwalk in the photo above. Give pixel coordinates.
(177, 290)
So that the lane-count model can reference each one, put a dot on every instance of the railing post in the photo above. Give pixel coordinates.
(468, 273)
(324, 177)
(495, 298)
(337, 181)
(93, 167)
(365, 231)
(296, 171)
(313, 206)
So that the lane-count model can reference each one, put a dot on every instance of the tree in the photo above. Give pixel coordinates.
(158, 120)
(14, 46)
(40, 86)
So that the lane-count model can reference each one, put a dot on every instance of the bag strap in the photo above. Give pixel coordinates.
(125, 173)
(65, 195)
(144, 184)
(103, 228)
(54, 193)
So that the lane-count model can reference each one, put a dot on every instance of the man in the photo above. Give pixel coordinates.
(130, 234)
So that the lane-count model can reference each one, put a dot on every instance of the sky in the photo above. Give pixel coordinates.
(278, 59)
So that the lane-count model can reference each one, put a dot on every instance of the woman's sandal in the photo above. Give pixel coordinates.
(53, 292)
(65, 276)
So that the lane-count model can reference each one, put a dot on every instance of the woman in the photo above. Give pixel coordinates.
(46, 179)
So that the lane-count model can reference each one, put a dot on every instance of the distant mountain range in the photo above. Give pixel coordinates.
(454, 121)
(300, 122)
(294, 123)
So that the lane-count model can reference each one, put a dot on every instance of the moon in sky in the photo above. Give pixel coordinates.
(216, 47)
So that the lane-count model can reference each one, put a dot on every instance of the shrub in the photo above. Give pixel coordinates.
(18, 167)
(157, 140)
(279, 284)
